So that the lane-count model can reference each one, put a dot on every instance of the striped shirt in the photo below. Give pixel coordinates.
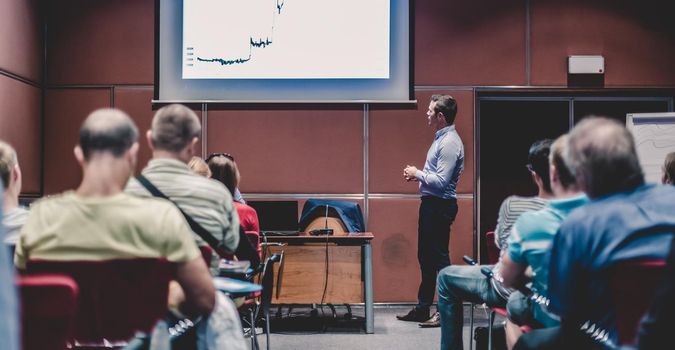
(207, 201)
(512, 207)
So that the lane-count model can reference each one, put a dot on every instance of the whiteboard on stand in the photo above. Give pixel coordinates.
(654, 135)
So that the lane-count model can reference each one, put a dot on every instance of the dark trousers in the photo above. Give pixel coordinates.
(433, 238)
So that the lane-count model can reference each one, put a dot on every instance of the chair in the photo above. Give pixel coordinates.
(254, 310)
(634, 284)
(117, 297)
(48, 307)
(254, 238)
(207, 254)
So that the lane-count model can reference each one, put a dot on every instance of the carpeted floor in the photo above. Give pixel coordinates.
(299, 329)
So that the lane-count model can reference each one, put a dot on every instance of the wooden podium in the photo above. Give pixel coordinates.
(348, 277)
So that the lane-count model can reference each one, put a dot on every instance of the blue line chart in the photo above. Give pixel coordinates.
(253, 43)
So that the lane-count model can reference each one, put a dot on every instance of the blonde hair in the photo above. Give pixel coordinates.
(7, 162)
(199, 166)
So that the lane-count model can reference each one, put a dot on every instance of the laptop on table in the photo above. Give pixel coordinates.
(277, 218)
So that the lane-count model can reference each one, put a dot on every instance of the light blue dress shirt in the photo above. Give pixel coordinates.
(444, 164)
(9, 319)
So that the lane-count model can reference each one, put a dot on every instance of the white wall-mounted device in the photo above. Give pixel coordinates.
(585, 64)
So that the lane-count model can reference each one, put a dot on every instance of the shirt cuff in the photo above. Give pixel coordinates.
(419, 175)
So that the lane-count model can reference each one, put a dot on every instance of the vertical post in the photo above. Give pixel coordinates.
(368, 283)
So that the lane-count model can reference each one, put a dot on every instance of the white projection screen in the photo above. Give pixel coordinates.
(283, 51)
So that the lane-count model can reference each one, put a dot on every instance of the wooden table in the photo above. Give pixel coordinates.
(349, 279)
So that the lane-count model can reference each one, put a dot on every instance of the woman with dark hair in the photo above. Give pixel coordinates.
(224, 169)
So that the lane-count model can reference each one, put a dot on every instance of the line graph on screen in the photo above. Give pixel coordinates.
(286, 39)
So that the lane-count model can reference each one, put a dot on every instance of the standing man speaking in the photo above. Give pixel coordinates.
(438, 184)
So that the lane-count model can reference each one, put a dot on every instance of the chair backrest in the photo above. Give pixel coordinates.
(117, 297)
(268, 282)
(207, 254)
(634, 285)
(48, 309)
(254, 238)
(492, 250)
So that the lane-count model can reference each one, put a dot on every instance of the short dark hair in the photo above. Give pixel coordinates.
(173, 127)
(447, 105)
(669, 166)
(603, 157)
(107, 130)
(537, 159)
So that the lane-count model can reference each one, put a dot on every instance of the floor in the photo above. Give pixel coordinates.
(299, 329)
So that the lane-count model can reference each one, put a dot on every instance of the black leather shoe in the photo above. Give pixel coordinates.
(434, 321)
(415, 315)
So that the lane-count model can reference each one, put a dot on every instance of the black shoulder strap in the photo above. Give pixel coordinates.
(196, 227)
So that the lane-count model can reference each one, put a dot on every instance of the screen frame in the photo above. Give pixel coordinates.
(410, 85)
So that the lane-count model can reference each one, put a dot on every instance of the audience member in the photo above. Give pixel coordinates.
(224, 169)
(237, 197)
(668, 177)
(172, 138)
(9, 316)
(467, 283)
(438, 208)
(625, 220)
(10, 174)
(199, 166)
(530, 241)
(98, 221)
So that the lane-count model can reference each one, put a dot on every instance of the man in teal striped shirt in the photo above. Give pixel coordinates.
(532, 235)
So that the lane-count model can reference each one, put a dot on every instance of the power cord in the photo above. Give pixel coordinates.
(325, 280)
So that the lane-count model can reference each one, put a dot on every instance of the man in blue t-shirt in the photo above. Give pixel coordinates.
(626, 220)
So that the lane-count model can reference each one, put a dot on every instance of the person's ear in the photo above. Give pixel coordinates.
(148, 138)
(79, 155)
(553, 174)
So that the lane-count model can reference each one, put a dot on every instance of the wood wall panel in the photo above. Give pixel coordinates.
(21, 41)
(396, 273)
(470, 42)
(100, 42)
(636, 38)
(402, 136)
(65, 110)
(20, 105)
(136, 102)
(293, 150)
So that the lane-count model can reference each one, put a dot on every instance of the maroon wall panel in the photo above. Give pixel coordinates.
(396, 273)
(65, 110)
(136, 102)
(292, 151)
(100, 42)
(402, 136)
(20, 127)
(21, 38)
(636, 38)
(470, 42)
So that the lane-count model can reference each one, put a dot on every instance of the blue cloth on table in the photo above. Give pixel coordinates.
(349, 212)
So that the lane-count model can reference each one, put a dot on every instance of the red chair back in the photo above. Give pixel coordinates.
(117, 297)
(254, 239)
(207, 254)
(48, 309)
(634, 285)
(492, 250)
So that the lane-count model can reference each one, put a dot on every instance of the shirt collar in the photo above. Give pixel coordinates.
(569, 203)
(444, 131)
